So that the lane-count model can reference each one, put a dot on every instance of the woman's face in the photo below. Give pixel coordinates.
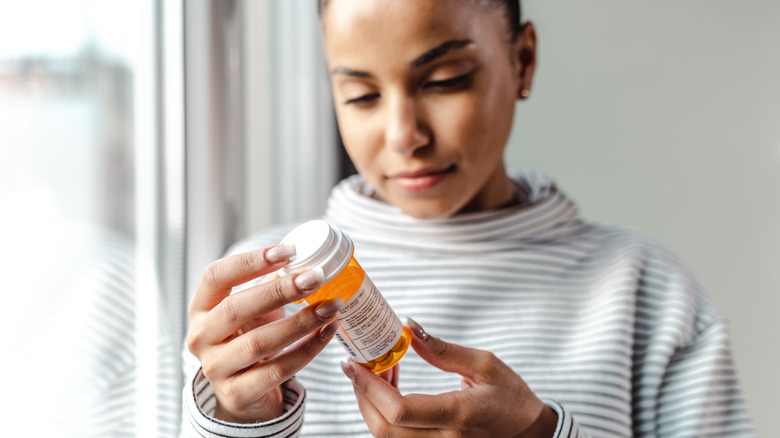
(425, 94)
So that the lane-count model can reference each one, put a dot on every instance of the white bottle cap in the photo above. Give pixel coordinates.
(318, 245)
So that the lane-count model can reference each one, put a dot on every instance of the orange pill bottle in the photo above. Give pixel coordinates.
(370, 332)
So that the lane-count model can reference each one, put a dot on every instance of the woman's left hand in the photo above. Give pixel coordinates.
(493, 400)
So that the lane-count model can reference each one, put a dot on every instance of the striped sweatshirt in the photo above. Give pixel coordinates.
(604, 325)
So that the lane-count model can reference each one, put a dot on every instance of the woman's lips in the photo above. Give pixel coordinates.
(421, 180)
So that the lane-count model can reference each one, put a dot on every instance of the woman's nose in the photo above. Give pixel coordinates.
(405, 131)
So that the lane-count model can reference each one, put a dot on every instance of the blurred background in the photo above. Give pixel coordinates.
(140, 139)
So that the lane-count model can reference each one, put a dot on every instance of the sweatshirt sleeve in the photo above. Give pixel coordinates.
(700, 394)
(683, 378)
(567, 427)
(199, 404)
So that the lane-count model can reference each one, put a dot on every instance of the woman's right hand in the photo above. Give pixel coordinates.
(242, 339)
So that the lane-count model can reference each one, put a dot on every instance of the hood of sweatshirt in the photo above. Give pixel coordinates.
(546, 214)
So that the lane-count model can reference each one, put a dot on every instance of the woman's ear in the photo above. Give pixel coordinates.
(524, 54)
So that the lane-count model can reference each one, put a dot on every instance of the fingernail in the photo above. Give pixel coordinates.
(280, 253)
(310, 279)
(329, 308)
(348, 371)
(417, 329)
(329, 329)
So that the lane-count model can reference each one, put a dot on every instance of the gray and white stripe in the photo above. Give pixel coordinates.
(605, 325)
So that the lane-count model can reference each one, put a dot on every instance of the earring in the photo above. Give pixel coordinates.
(525, 92)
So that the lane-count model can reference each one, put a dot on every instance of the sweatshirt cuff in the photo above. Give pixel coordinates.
(200, 403)
(566, 425)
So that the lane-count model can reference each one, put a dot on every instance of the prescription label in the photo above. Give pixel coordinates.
(369, 327)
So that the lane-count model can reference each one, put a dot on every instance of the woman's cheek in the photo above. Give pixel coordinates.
(466, 120)
(361, 141)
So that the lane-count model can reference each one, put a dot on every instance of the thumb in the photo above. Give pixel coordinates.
(453, 358)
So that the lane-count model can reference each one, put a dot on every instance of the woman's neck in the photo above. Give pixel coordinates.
(499, 192)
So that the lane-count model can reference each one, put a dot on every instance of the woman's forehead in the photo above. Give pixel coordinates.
(396, 29)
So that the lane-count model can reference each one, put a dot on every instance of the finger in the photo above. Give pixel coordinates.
(268, 340)
(237, 310)
(413, 410)
(379, 426)
(268, 317)
(472, 363)
(222, 275)
(270, 277)
(264, 319)
(264, 376)
(390, 376)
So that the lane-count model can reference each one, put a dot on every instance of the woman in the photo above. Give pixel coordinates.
(553, 327)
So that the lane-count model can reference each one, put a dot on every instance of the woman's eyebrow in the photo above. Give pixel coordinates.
(439, 51)
(425, 58)
(350, 72)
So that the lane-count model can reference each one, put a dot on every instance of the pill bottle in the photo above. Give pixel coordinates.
(370, 332)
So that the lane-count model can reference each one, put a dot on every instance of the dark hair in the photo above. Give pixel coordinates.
(511, 8)
(512, 13)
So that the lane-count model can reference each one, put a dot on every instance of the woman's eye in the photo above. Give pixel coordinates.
(362, 100)
(451, 84)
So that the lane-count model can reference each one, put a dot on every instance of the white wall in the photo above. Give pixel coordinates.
(665, 116)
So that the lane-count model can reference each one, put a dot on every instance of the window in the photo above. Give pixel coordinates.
(107, 223)
(91, 183)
